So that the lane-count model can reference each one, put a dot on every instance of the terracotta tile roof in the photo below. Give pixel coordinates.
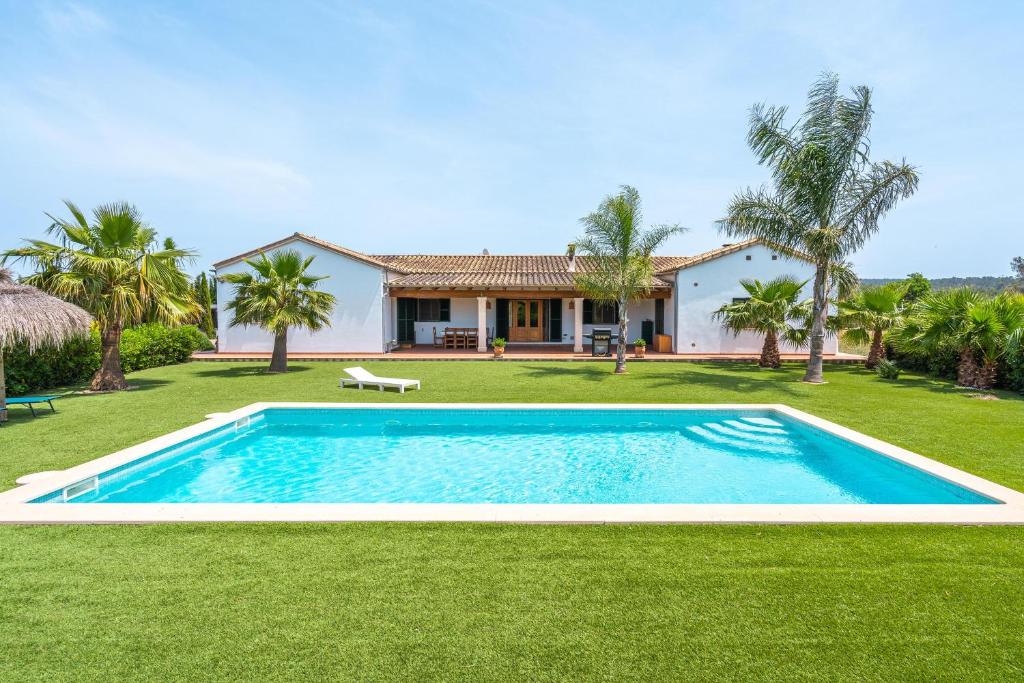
(503, 280)
(298, 236)
(466, 271)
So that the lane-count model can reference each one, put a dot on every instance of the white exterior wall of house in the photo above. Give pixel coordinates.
(463, 314)
(359, 322)
(717, 283)
(638, 311)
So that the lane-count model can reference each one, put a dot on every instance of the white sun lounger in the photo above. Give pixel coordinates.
(361, 377)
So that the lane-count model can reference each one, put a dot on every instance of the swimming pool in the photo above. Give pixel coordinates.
(516, 457)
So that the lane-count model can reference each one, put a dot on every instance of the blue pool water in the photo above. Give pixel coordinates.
(519, 456)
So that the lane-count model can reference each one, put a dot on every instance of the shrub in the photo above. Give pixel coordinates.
(941, 362)
(146, 346)
(888, 370)
(1014, 369)
(73, 363)
(154, 345)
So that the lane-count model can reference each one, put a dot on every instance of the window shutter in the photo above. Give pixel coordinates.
(444, 310)
(588, 312)
(554, 318)
(501, 318)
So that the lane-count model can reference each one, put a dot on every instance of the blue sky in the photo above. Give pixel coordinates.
(453, 127)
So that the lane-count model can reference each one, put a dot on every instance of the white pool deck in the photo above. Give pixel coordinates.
(15, 508)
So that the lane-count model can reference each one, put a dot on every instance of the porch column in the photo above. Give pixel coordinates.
(481, 323)
(577, 325)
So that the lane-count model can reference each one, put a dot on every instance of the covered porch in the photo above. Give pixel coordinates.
(537, 320)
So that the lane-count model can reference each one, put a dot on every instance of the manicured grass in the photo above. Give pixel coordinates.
(479, 602)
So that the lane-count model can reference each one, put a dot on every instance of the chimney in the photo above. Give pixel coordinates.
(571, 253)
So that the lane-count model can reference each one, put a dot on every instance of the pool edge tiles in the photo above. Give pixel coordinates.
(16, 508)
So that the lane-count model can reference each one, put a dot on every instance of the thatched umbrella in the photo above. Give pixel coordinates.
(32, 317)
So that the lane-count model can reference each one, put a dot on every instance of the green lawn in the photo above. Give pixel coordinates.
(478, 602)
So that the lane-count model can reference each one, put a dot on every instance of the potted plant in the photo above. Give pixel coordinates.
(498, 344)
(639, 348)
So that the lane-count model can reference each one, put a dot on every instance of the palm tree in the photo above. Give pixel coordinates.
(620, 270)
(112, 268)
(827, 198)
(277, 295)
(34, 318)
(770, 310)
(970, 322)
(868, 315)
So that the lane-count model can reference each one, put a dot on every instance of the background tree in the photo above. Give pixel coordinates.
(827, 197)
(202, 288)
(278, 295)
(771, 310)
(112, 268)
(865, 317)
(915, 287)
(1017, 264)
(972, 323)
(620, 253)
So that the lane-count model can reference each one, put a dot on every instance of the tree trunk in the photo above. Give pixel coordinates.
(279, 361)
(110, 376)
(986, 374)
(819, 318)
(620, 348)
(967, 369)
(877, 351)
(3, 389)
(770, 351)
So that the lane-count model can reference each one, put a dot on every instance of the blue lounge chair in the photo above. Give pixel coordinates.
(29, 400)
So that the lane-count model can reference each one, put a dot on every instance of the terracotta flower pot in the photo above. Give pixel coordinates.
(499, 351)
(640, 351)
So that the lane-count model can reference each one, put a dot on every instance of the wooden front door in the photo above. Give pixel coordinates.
(526, 320)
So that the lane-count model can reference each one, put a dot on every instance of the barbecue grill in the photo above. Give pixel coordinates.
(600, 342)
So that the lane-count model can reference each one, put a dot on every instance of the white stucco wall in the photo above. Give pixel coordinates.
(463, 314)
(357, 324)
(717, 282)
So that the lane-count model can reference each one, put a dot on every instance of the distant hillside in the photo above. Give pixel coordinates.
(987, 283)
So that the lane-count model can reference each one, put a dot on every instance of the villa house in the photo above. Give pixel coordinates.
(384, 300)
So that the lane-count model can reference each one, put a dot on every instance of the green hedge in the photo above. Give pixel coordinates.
(151, 346)
(943, 363)
(73, 363)
(145, 346)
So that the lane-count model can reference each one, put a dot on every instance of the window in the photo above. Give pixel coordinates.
(600, 313)
(740, 299)
(748, 257)
(434, 311)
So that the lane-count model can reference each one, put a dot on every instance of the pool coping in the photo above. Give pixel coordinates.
(15, 508)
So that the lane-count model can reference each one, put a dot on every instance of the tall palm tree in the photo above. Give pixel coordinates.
(620, 270)
(277, 295)
(827, 197)
(972, 323)
(773, 309)
(113, 269)
(868, 315)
